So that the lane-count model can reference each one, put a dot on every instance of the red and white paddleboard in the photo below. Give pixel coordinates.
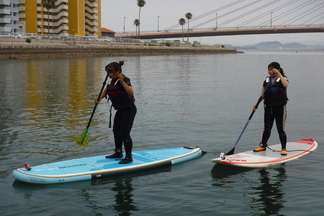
(271, 156)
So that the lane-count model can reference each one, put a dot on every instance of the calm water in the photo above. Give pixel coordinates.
(186, 100)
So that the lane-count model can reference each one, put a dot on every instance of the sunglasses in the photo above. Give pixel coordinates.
(109, 70)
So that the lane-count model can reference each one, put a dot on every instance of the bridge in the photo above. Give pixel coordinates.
(222, 32)
(247, 18)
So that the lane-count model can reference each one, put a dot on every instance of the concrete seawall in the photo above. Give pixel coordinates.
(19, 49)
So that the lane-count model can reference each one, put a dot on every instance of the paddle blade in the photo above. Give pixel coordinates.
(230, 152)
(83, 138)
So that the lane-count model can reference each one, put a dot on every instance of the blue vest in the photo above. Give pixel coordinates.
(275, 93)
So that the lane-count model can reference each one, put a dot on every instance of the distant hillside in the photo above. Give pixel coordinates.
(275, 45)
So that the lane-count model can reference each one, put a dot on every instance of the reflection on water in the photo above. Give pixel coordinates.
(45, 101)
(124, 197)
(124, 202)
(102, 195)
(222, 174)
(266, 196)
(61, 86)
(122, 190)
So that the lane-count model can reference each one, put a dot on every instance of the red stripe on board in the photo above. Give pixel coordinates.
(282, 159)
(306, 141)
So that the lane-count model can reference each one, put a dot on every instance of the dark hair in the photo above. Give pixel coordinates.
(114, 66)
(277, 66)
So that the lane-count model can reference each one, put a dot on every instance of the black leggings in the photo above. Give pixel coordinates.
(270, 114)
(123, 123)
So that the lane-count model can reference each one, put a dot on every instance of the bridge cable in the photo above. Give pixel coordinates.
(206, 14)
(248, 13)
(311, 11)
(318, 19)
(313, 18)
(265, 14)
(228, 13)
(279, 17)
(289, 12)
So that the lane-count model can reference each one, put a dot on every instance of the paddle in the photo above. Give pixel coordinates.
(232, 150)
(83, 138)
(222, 155)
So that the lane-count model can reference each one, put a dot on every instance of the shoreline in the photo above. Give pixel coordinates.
(40, 48)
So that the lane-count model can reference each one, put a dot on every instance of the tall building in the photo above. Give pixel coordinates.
(9, 16)
(67, 17)
(85, 17)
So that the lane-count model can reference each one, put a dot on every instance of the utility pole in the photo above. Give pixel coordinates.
(124, 24)
(216, 21)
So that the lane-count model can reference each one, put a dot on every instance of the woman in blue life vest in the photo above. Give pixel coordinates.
(274, 93)
(121, 95)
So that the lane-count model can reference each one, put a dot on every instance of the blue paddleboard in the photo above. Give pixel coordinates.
(99, 166)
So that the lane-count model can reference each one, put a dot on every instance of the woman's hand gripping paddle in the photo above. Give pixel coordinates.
(83, 138)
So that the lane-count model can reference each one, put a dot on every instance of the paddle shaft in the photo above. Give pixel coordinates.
(95, 107)
(259, 100)
(256, 106)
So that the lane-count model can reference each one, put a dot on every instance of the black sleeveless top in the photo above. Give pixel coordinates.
(120, 99)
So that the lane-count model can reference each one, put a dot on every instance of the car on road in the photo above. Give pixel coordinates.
(104, 39)
(17, 35)
(5, 35)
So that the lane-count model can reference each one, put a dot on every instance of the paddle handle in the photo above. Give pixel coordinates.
(95, 107)
(256, 106)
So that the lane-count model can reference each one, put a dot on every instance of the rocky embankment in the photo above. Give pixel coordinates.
(20, 49)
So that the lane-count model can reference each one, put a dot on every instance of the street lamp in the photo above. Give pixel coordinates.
(271, 20)
(216, 20)
(124, 24)
(158, 22)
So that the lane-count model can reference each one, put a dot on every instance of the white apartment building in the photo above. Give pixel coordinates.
(9, 16)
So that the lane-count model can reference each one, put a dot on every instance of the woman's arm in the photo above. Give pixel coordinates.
(103, 94)
(129, 89)
(255, 107)
(284, 80)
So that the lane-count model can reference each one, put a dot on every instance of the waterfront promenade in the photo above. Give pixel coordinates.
(15, 48)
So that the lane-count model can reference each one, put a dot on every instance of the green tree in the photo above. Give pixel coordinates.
(182, 22)
(188, 16)
(140, 4)
(136, 23)
(48, 4)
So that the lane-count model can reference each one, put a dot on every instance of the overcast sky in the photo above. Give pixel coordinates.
(163, 14)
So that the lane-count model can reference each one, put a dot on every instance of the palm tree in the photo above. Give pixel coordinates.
(48, 4)
(140, 4)
(136, 23)
(188, 16)
(182, 21)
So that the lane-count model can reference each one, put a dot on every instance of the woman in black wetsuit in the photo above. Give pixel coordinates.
(274, 93)
(121, 94)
